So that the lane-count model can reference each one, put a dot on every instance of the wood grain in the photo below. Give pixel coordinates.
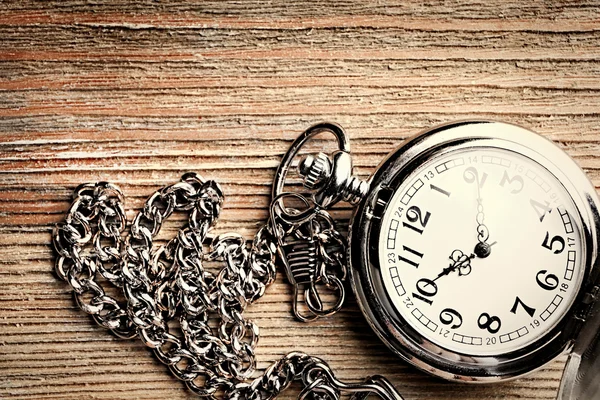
(139, 92)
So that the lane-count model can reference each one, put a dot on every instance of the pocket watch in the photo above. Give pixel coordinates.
(473, 251)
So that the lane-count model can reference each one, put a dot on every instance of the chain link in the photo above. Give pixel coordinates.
(170, 282)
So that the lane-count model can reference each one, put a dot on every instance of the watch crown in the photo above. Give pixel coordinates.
(315, 169)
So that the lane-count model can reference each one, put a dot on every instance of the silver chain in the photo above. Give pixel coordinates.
(170, 283)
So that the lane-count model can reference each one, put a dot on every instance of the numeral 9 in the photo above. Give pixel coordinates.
(448, 316)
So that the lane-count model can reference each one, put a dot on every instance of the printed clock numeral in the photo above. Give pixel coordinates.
(517, 179)
(426, 288)
(413, 214)
(488, 322)
(450, 316)
(472, 175)
(528, 310)
(550, 246)
(439, 189)
(550, 281)
(409, 261)
(541, 209)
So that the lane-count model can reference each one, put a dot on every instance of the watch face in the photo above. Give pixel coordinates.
(481, 251)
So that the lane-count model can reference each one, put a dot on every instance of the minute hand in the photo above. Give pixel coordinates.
(471, 175)
(483, 234)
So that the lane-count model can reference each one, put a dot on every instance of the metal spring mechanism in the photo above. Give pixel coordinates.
(311, 249)
(302, 260)
(312, 253)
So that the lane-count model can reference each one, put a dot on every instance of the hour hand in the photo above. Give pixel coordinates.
(460, 262)
(445, 271)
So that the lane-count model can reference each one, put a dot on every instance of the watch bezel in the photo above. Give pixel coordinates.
(367, 283)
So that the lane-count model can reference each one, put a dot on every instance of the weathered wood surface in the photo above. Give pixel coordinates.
(138, 93)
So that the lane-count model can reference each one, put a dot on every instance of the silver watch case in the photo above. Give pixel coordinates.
(367, 282)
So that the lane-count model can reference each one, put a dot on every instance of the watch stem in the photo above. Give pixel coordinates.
(355, 190)
(315, 169)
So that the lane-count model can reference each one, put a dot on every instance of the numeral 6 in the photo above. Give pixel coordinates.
(550, 281)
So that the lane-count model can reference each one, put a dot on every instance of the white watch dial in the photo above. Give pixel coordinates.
(480, 251)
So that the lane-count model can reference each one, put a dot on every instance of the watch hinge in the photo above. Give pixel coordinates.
(381, 200)
(587, 302)
(369, 213)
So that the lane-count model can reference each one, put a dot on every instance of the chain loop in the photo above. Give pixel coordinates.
(159, 282)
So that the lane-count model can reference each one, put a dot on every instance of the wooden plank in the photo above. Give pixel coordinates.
(139, 92)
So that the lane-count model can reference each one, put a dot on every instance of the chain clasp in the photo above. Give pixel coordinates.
(311, 251)
(310, 247)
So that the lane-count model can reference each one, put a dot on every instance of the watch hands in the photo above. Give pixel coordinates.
(460, 262)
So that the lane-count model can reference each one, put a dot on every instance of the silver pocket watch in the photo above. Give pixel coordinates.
(473, 251)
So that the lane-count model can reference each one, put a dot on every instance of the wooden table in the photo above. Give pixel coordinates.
(139, 93)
